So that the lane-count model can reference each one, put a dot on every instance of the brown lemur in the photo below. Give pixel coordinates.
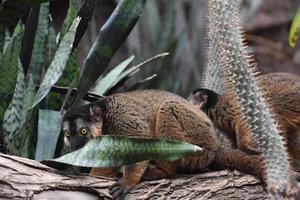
(153, 114)
(282, 91)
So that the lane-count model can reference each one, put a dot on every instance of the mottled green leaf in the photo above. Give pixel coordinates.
(11, 11)
(54, 100)
(30, 93)
(37, 61)
(21, 142)
(294, 30)
(48, 134)
(18, 123)
(9, 68)
(72, 85)
(51, 45)
(71, 15)
(71, 72)
(109, 39)
(7, 39)
(115, 151)
(132, 70)
(107, 81)
(13, 116)
(58, 63)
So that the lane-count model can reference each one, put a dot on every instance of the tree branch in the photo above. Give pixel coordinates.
(23, 178)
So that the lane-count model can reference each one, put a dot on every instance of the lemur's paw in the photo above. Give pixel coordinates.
(118, 191)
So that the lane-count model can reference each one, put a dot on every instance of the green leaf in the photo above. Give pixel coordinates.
(21, 142)
(13, 117)
(71, 15)
(51, 45)
(71, 72)
(134, 69)
(110, 37)
(9, 69)
(54, 100)
(115, 151)
(29, 94)
(58, 63)
(48, 134)
(294, 31)
(11, 11)
(72, 85)
(107, 82)
(37, 61)
(7, 39)
(19, 124)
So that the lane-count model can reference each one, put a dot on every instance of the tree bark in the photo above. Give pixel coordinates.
(23, 178)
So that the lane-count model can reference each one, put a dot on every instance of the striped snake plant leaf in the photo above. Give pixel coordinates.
(11, 11)
(21, 141)
(9, 69)
(110, 37)
(58, 63)
(115, 151)
(47, 136)
(107, 81)
(38, 60)
(55, 100)
(13, 117)
(71, 15)
(132, 70)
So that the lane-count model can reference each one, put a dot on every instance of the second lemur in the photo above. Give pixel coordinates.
(282, 91)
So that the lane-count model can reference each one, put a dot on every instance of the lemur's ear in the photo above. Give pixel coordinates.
(204, 97)
(96, 111)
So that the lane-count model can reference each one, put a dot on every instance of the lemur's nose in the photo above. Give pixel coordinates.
(76, 146)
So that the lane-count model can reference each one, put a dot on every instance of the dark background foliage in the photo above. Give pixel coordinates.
(266, 24)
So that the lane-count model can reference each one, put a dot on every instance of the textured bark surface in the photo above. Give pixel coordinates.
(22, 178)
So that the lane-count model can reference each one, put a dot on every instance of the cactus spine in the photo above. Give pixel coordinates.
(212, 72)
(240, 76)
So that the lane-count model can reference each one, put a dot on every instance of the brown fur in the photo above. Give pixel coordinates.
(282, 92)
(158, 114)
(153, 114)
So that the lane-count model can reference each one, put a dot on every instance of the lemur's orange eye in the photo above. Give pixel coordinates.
(83, 131)
(67, 133)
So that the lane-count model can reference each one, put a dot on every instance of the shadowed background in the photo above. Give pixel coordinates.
(178, 26)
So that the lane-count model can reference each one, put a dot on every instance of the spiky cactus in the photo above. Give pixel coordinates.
(254, 111)
(211, 77)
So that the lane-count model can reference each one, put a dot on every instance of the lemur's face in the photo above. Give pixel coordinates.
(79, 125)
(204, 98)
